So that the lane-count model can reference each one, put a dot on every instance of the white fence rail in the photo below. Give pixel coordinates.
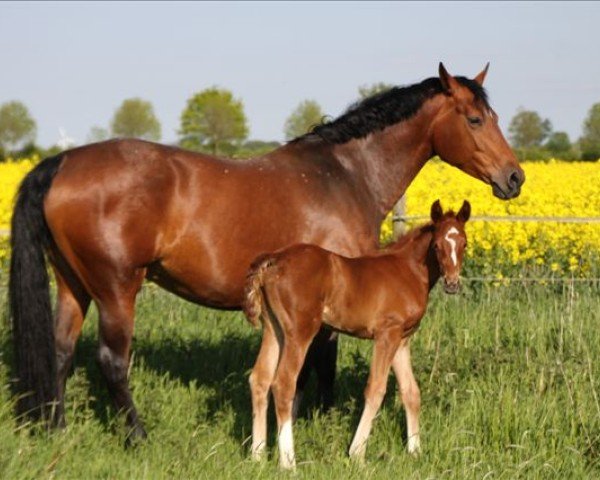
(507, 218)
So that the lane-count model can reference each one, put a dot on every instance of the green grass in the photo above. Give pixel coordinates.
(509, 382)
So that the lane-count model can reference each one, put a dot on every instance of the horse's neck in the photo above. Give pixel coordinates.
(389, 160)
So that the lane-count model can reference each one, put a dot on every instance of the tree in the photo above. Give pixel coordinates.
(370, 90)
(97, 134)
(255, 148)
(559, 145)
(528, 130)
(213, 121)
(590, 140)
(16, 125)
(305, 116)
(135, 118)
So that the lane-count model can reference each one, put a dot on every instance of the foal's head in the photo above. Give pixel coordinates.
(449, 242)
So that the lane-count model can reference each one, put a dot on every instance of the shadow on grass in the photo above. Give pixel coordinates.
(223, 365)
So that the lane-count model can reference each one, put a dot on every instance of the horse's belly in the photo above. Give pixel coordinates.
(200, 282)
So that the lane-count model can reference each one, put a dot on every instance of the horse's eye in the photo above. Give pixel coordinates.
(475, 121)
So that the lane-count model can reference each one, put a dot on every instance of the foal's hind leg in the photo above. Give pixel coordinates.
(72, 304)
(260, 385)
(298, 333)
(116, 331)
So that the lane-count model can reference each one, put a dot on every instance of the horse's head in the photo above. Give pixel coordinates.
(449, 242)
(466, 135)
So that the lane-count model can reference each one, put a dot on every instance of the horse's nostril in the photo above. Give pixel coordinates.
(514, 180)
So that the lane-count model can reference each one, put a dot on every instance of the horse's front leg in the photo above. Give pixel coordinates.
(386, 344)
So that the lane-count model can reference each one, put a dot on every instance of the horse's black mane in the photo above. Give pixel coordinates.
(384, 109)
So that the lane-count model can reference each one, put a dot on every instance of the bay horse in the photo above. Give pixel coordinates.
(382, 296)
(111, 214)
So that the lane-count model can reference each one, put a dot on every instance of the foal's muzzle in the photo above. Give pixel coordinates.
(451, 286)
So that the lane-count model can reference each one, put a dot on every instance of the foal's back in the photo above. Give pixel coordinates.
(358, 296)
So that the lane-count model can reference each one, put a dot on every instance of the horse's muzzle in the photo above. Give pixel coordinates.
(510, 186)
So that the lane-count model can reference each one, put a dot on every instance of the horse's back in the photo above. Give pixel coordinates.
(114, 194)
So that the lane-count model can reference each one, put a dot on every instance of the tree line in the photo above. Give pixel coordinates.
(213, 121)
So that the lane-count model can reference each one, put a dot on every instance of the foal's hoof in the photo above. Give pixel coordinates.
(357, 459)
(414, 446)
(258, 453)
(135, 436)
(288, 464)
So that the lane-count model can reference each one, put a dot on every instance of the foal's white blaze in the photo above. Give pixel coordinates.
(452, 242)
(286, 446)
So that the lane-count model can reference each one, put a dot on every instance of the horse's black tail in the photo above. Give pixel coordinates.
(29, 296)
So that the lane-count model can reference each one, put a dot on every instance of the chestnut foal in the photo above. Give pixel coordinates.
(382, 296)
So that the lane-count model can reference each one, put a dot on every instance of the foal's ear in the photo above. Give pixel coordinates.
(464, 212)
(481, 75)
(449, 83)
(436, 211)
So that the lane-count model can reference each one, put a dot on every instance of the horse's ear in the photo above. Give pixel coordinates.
(436, 211)
(481, 75)
(449, 83)
(465, 212)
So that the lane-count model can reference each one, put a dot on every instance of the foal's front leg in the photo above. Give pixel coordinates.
(410, 394)
(384, 349)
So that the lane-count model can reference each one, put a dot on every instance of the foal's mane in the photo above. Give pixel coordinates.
(383, 109)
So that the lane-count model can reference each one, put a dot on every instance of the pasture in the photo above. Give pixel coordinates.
(508, 375)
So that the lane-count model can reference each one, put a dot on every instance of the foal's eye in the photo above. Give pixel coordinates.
(475, 121)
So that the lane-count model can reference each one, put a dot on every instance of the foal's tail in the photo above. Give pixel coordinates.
(29, 295)
(254, 299)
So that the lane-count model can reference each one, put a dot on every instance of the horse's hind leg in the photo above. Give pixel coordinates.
(321, 356)
(116, 331)
(325, 364)
(71, 307)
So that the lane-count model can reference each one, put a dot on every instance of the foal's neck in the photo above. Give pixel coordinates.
(387, 161)
(419, 245)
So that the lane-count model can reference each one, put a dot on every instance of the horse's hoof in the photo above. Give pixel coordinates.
(135, 436)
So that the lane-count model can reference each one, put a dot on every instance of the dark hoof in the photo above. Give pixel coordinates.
(135, 436)
(58, 422)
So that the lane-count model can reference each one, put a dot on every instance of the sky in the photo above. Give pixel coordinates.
(73, 63)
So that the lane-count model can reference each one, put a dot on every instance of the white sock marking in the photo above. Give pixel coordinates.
(286, 445)
(414, 444)
(452, 242)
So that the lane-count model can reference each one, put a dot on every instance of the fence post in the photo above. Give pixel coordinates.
(399, 227)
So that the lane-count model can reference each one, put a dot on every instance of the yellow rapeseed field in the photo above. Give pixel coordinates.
(556, 188)
(553, 189)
